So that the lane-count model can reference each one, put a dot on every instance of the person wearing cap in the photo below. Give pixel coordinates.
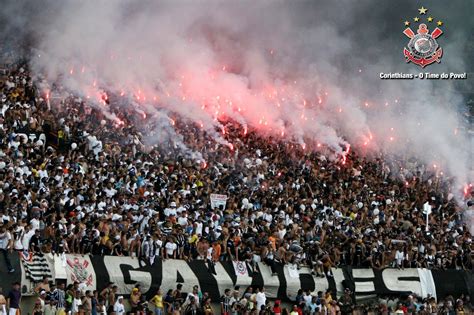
(135, 300)
(119, 307)
(41, 299)
(43, 285)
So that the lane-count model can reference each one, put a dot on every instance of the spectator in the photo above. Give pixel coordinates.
(225, 302)
(261, 298)
(277, 308)
(295, 310)
(191, 308)
(43, 286)
(50, 307)
(157, 302)
(42, 299)
(76, 306)
(135, 300)
(196, 294)
(6, 246)
(119, 307)
(207, 308)
(14, 299)
(334, 309)
(94, 302)
(37, 308)
(59, 296)
(345, 302)
(169, 302)
(3, 302)
(87, 302)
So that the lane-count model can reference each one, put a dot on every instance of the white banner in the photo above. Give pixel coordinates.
(217, 200)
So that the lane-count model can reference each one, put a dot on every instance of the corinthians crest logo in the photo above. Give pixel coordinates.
(423, 49)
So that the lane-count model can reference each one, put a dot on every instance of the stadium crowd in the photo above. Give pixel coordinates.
(73, 181)
(59, 300)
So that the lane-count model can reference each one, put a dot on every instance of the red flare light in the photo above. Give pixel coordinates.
(345, 154)
(467, 190)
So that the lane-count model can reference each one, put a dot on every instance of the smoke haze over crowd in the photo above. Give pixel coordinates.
(307, 72)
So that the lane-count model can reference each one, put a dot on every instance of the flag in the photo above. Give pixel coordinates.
(293, 271)
(36, 266)
(240, 268)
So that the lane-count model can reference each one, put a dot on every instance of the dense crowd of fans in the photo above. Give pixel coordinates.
(73, 181)
(59, 300)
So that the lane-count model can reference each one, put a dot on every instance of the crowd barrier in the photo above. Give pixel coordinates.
(96, 271)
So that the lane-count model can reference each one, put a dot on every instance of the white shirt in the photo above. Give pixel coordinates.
(35, 224)
(170, 248)
(157, 244)
(170, 211)
(110, 192)
(18, 244)
(5, 240)
(210, 250)
(27, 237)
(199, 228)
(183, 221)
(261, 300)
(399, 257)
(119, 308)
(75, 305)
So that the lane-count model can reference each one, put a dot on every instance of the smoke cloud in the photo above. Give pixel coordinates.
(306, 71)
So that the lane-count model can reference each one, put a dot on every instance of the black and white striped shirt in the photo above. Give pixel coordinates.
(60, 297)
